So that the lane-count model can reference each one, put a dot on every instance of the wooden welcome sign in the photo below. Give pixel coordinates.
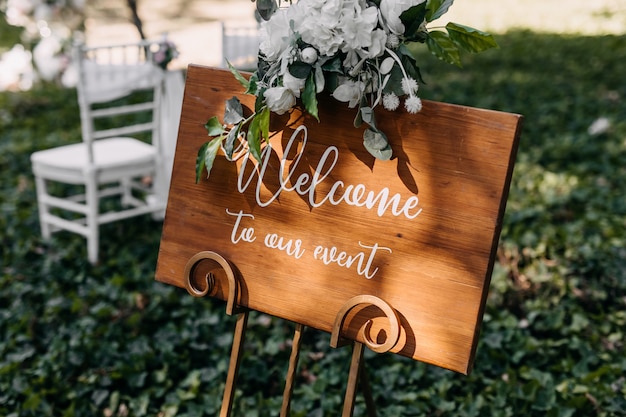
(319, 225)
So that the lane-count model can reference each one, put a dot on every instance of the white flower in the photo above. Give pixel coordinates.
(279, 99)
(391, 101)
(276, 34)
(393, 41)
(294, 84)
(409, 85)
(413, 104)
(308, 55)
(391, 11)
(377, 47)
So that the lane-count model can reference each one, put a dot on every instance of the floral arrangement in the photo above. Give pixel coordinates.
(359, 51)
(165, 53)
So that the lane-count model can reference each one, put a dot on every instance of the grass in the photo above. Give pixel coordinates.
(107, 340)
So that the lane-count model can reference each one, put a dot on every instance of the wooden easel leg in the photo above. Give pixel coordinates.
(353, 379)
(233, 366)
(291, 372)
(358, 372)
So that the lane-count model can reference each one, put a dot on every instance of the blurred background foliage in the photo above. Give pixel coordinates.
(107, 340)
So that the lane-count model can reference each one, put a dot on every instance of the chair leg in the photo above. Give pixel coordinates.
(93, 226)
(42, 191)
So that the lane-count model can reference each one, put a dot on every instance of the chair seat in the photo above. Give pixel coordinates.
(108, 154)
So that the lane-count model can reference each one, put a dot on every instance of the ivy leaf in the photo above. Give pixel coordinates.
(412, 19)
(309, 96)
(437, 8)
(254, 137)
(214, 127)
(470, 39)
(206, 156)
(253, 84)
(242, 80)
(377, 144)
(234, 111)
(229, 144)
(440, 44)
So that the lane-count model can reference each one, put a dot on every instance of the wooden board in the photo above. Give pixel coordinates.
(425, 245)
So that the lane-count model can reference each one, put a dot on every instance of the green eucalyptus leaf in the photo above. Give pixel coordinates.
(206, 156)
(437, 8)
(358, 120)
(377, 144)
(234, 111)
(440, 44)
(309, 96)
(242, 80)
(214, 127)
(367, 114)
(387, 65)
(320, 81)
(470, 39)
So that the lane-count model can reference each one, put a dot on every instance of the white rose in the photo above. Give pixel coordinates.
(391, 11)
(279, 99)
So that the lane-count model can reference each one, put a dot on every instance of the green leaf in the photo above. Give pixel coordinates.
(234, 111)
(367, 114)
(412, 19)
(408, 61)
(264, 122)
(309, 96)
(300, 69)
(242, 80)
(253, 84)
(440, 44)
(229, 144)
(377, 144)
(214, 127)
(206, 156)
(254, 137)
(437, 8)
(470, 39)
(333, 65)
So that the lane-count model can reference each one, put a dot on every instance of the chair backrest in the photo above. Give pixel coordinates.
(107, 74)
(240, 44)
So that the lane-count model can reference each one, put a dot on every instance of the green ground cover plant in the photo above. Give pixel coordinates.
(107, 340)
